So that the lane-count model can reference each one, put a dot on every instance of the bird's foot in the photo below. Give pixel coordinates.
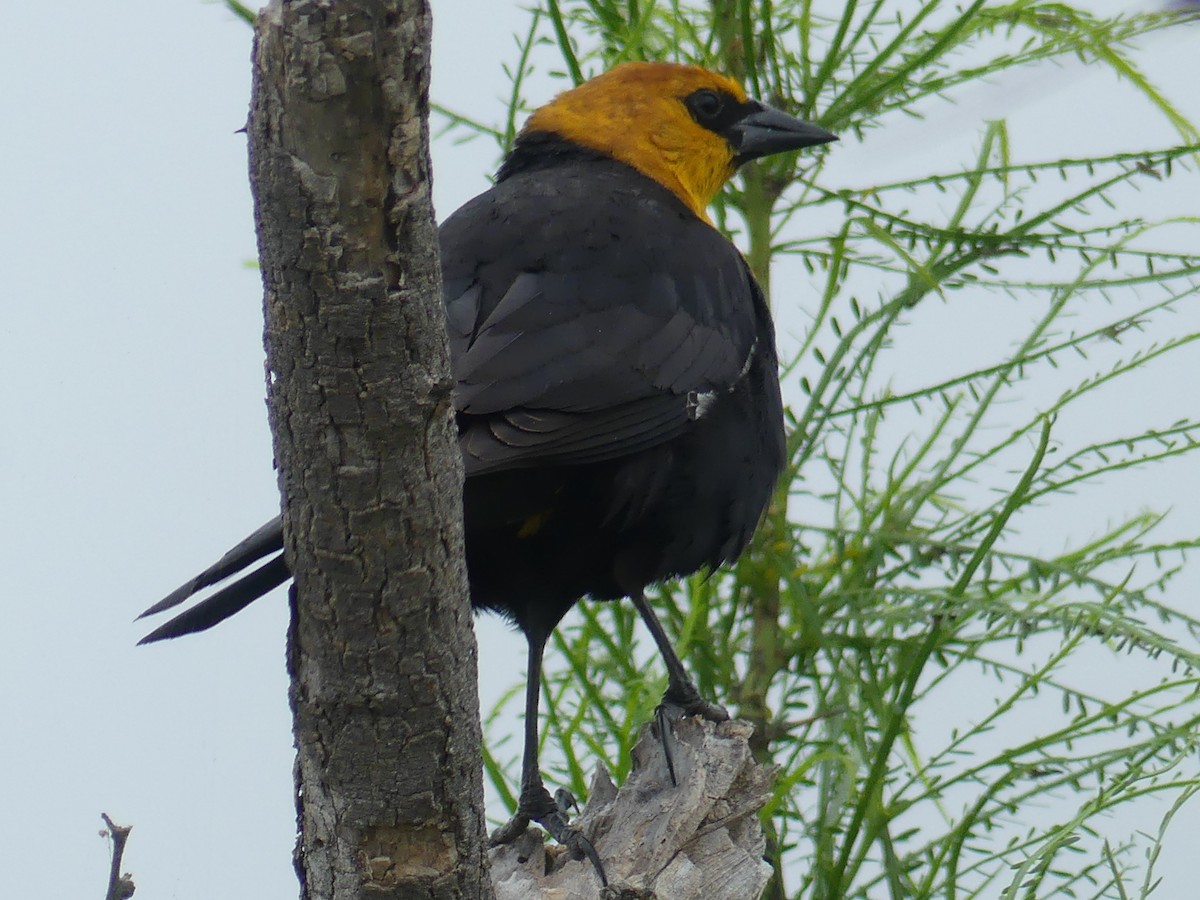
(683, 699)
(509, 831)
(687, 699)
(536, 805)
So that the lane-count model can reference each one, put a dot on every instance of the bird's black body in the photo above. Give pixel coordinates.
(617, 394)
(619, 409)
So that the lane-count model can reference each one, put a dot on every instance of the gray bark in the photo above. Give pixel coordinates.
(698, 840)
(381, 650)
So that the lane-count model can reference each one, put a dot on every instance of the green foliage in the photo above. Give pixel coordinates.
(918, 653)
(242, 11)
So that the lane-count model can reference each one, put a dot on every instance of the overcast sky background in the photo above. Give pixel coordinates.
(134, 440)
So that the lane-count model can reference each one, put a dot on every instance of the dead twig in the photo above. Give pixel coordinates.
(120, 887)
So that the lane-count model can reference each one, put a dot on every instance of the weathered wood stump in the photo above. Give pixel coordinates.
(698, 840)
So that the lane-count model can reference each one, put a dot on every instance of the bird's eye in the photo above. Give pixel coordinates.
(705, 105)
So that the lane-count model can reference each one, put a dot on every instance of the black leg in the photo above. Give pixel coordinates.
(535, 803)
(681, 691)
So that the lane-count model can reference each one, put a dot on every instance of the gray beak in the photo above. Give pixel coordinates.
(767, 130)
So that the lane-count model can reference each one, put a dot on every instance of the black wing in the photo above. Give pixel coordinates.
(589, 313)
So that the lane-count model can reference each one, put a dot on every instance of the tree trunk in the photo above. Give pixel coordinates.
(382, 655)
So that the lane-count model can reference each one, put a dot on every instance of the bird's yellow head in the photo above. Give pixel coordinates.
(685, 127)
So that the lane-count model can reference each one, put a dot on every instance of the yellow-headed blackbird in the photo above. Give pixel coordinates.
(617, 388)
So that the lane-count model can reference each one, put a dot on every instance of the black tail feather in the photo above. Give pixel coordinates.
(266, 541)
(224, 603)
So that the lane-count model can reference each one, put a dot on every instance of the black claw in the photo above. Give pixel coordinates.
(664, 738)
(565, 801)
(683, 700)
(574, 840)
(538, 806)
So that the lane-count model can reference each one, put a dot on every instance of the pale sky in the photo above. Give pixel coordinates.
(136, 448)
